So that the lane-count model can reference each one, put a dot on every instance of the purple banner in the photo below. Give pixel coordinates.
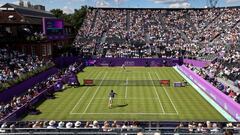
(63, 62)
(196, 63)
(227, 103)
(21, 88)
(136, 62)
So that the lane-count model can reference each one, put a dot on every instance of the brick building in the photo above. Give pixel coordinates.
(21, 28)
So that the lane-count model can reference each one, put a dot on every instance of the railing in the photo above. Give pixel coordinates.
(16, 114)
(123, 131)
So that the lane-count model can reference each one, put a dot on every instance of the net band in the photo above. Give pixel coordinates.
(127, 82)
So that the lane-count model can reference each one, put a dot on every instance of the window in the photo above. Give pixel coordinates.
(33, 51)
(44, 51)
(23, 49)
(49, 49)
(8, 29)
(10, 9)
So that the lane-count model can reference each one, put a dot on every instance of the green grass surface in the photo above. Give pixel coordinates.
(132, 102)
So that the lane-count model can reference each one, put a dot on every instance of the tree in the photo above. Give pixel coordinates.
(76, 19)
(79, 16)
(67, 18)
(57, 13)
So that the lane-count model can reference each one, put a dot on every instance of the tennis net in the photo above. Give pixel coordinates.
(126, 82)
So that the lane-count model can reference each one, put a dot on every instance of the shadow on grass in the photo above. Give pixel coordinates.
(117, 106)
(35, 112)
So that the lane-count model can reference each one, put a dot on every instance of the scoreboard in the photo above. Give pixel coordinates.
(54, 24)
(53, 28)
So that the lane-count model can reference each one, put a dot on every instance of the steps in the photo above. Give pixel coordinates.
(128, 21)
(94, 20)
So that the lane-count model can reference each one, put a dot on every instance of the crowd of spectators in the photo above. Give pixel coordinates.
(227, 66)
(156, 32)
(105, 126)
(18, 101)
(14, 64)
(212, 127)
(123, 127)
(211, 73)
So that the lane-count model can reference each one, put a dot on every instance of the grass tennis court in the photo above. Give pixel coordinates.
(160, 103)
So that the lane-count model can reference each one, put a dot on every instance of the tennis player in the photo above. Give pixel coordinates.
(111, 97)
(123, 66)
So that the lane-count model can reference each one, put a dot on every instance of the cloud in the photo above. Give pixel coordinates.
(169, 1)
(67, 10)
(180, 5)
(232, 1)
(102, 3)
(15, 2)
(119, 1)
(24, 2)
(174, 3)
(76, 1)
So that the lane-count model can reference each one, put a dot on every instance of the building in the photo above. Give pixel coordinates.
(21, 28)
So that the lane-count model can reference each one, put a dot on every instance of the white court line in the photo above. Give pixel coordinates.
(126, 88)
(120, 72)
(79, 100)
(126, 113)
(156, 92)
(139, 103)
(83, 93)
(95, 93)
(168, 96)
(125, 98)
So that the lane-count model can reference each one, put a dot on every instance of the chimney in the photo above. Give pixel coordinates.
(39, 7)
(29, 4)
(21, 3)
(25, 4)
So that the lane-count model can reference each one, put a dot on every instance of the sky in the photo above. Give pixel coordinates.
(68, 6)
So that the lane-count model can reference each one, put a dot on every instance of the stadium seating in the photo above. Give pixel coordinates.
(117, 127)
(154, 32)
(16, 67)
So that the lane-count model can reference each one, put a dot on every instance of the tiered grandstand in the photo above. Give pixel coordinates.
(198, 33)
